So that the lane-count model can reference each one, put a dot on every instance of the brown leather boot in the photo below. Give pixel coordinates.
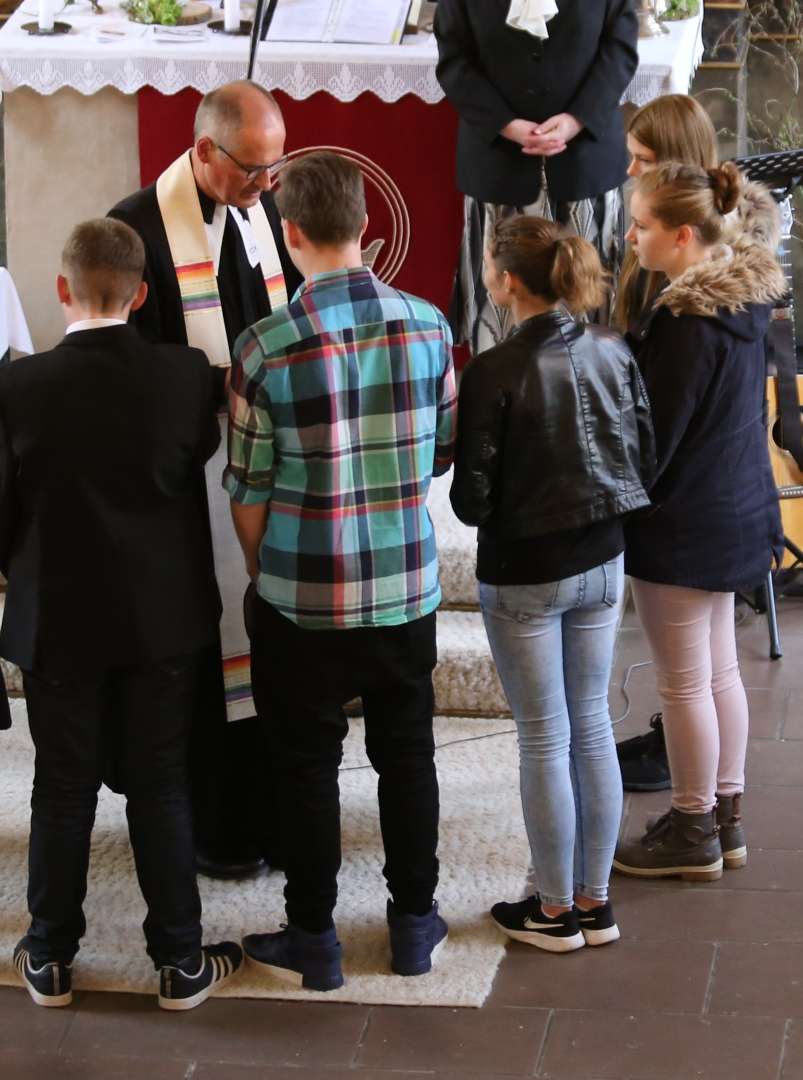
(678, 845)
(731, 830)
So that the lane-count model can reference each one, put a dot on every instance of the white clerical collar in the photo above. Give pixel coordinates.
(93, 324)
(532, 16)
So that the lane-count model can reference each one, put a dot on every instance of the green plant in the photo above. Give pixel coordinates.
(681, 9)
(164, 12)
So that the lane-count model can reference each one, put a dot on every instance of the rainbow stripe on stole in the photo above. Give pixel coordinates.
(237, 679)
(198, 286)
(277, 290)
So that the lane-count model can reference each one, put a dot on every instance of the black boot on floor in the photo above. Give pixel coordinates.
(643, 760)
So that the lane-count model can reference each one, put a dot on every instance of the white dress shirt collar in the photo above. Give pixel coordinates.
(93, 324)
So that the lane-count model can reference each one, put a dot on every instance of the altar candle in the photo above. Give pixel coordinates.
(47, 12)
(231, 14)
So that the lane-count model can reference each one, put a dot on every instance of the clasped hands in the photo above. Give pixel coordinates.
(545, 139)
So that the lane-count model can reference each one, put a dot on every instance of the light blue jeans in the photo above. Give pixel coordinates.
(553, 646)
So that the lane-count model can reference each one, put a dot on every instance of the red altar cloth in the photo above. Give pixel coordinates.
(412, 142)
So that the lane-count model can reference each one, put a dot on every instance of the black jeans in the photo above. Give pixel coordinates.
(308, 675)
(133, 723)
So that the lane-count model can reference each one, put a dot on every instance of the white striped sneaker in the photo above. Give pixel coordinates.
(50, 984)
(181, 989)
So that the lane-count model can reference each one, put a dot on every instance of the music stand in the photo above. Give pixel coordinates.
(782, 173)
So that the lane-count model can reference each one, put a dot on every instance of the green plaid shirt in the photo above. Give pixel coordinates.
(342, 408)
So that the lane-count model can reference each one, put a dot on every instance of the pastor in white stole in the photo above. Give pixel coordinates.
(195, 251)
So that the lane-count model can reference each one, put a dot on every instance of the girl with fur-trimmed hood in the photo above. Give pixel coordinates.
(715, 523)
(674, 127)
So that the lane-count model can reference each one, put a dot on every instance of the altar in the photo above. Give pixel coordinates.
(91, 115)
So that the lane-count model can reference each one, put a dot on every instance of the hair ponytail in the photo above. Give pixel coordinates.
(687, 195)
(548, 262)
(726, 185)
(577, 277)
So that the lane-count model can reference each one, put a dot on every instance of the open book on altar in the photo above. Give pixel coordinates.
(369, 22)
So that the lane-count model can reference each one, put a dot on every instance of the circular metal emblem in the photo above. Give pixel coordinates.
(384, 256)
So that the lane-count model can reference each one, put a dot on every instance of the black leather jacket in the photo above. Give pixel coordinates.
(553, 431)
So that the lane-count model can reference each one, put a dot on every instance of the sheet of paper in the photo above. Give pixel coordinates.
(373, 22)
(300, 20)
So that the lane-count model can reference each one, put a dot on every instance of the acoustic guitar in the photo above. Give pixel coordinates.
(788, 476)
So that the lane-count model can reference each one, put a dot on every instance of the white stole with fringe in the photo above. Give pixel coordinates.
(195, 251)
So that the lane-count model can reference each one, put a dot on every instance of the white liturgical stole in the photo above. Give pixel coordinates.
(195, 251)
(531, 16)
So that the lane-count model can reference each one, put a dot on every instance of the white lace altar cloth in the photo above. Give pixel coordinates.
(131, 56)
(667, 63)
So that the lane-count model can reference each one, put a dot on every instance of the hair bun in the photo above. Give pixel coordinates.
(726, 184)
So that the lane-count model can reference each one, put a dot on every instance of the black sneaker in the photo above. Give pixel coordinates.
(643, 760)
(297, 956)
(50, 984)
(189, 983)
(527, 922)
(415, 940)
(598, 925)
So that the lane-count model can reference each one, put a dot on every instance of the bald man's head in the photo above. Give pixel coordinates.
(239, 132)
(224, 111)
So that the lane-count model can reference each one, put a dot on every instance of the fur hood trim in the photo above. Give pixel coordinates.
(731, 279)
(756, 219)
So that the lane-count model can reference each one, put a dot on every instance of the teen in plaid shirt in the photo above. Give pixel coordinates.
(342, 409)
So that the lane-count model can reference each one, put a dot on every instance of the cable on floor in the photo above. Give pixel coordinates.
(512, 731)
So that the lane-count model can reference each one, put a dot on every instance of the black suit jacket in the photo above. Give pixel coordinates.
(493, 74)
(103, 538)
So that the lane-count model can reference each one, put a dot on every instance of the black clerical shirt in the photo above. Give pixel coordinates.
(241, 286)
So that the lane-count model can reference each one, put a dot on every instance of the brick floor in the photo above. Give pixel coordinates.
(706, 983)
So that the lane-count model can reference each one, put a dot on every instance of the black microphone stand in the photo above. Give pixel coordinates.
(263, 17)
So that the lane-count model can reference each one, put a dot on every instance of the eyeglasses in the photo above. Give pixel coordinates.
(253, 171)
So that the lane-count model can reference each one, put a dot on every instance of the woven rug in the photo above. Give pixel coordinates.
(483, 852)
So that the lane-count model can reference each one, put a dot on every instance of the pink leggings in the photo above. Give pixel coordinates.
(693, 642)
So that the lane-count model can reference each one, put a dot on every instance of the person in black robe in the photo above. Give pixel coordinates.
(239, 146)
(540, 130)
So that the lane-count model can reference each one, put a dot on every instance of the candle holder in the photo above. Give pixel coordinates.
(218, 26)
(35, 30)
(648, 25)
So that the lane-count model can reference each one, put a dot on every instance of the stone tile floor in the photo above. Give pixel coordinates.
(706, 983)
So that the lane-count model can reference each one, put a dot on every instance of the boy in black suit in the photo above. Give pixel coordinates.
(111, 597)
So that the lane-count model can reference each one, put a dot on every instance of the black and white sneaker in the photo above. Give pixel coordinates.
(527, 922)
(185, 985)
(598, 925)
(49, 984)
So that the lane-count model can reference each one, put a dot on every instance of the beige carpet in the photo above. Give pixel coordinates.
(483, 852)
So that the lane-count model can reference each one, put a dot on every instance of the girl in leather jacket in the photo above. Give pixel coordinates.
(554, 447)
(715, 524)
